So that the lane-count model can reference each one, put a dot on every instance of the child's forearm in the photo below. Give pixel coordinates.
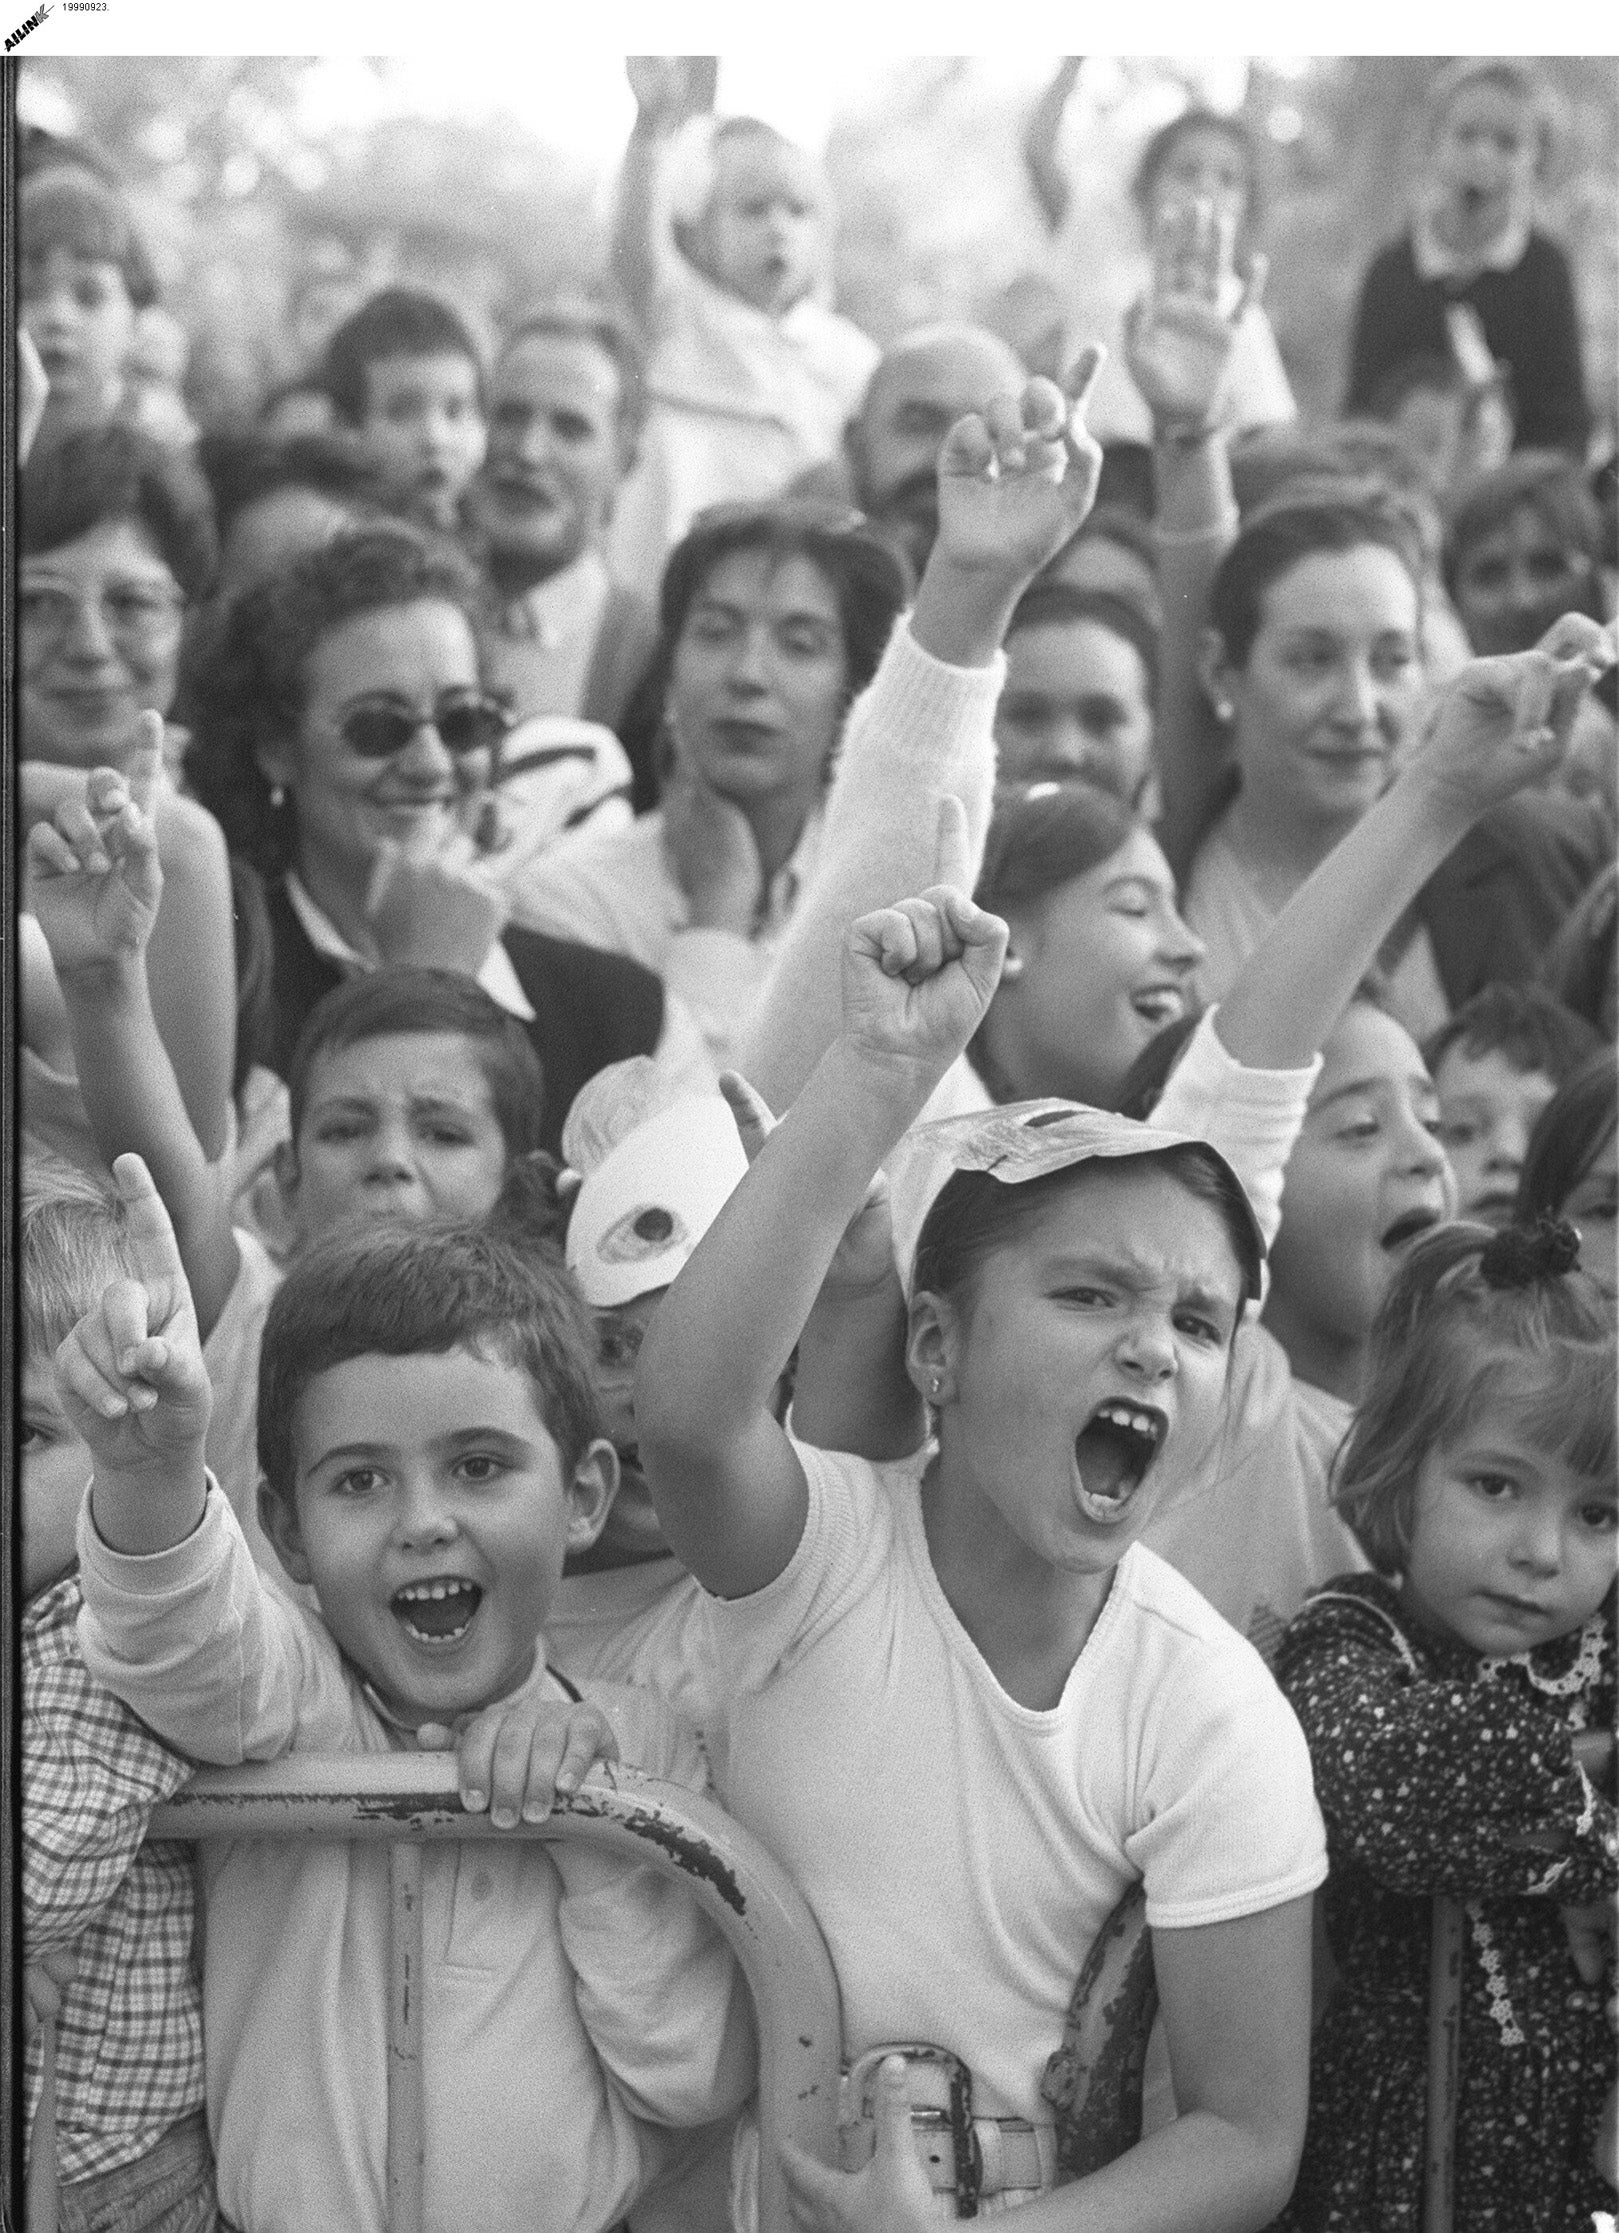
(134, 1104)
(634, 249)
(724, 1334)
(1300, 977)
(191, 964)
(139, 1512)
(961, 612)
(922, 731)
(1195, 518)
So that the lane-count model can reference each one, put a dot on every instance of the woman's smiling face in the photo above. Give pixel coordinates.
(1106, 963)
(411, 657)
(1332, 680)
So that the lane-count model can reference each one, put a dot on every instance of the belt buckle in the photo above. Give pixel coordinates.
(949, 2113)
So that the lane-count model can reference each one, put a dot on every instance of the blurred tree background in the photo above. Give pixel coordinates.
(270, 212)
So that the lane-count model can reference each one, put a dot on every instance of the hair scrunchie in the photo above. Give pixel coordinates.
(1519, 1255)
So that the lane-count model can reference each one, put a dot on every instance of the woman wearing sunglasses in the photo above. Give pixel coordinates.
(347, 744)
(772, 618)
(115, 540)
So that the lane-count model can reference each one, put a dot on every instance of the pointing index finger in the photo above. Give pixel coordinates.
(145, 761)
(1081, 378)
(952, 856)
(155, 1250)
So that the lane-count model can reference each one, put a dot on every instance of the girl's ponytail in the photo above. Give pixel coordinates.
(1521, 1255)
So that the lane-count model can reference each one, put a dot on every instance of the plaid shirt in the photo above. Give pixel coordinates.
(129, 2038)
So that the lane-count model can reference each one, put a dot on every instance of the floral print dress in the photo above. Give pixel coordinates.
(1429, 1763)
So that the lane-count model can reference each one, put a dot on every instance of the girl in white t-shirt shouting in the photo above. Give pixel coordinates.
(967, 1708)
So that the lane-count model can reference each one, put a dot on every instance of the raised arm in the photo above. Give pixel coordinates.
(95, 887)
(729, 1488)
(1053, 189)
(1501, 725)
(1245, 1079)
(924, 730)
(662, 87)
(192, 946)
(133, 1385)
(1178, 347)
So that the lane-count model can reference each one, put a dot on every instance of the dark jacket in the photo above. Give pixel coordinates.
(1529, 320)
(590, 1008)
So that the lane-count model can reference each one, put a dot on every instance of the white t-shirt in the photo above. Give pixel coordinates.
(960, 1850)
(643, 1625)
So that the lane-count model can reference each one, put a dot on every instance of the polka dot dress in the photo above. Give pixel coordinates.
(1430, 1764)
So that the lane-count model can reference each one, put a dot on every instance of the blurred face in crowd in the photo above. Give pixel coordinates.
(1367, 1176)
(1592, 1207)
(1098, 562)
(1106, 963)
(1487, 1110)
(760, 236)
(760, 681)
(632, 1532)
(98, 623)
(1484, 162)
(917, 393)
(419, 659)
(77, 312)
(269, 533)
(424, 426)
(1332, 679)
(556, 451)
(53, 1471)
(1203, 164)
(1513, 581)
(1075, 704)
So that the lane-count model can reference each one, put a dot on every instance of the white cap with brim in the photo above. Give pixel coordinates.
(639, 1214)
(1020, 1141)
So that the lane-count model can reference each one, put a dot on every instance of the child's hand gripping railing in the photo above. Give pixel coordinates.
(408, 1798)
(1594, 1750)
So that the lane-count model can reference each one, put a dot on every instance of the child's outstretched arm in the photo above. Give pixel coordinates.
(1015, 481)
(1178, 347)
(664, 98)
(1053, 189)
(1501, 725)
(851, 1390)
(729, 1488)
(95, 886)
(133, 1385)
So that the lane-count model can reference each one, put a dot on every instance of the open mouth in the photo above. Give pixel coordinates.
(1159, 1004)
(1407, 1228)
(436, 1612)
(1113, 1455)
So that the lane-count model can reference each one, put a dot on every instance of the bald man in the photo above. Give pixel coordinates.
(924, 382)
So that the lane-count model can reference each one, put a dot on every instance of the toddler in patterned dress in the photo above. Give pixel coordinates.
(108, 1920)
(1441, 1697)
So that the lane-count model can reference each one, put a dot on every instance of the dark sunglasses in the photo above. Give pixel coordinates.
(465, 724)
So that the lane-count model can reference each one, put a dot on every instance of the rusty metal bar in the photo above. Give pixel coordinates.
(407, 2109)
(412, 1797)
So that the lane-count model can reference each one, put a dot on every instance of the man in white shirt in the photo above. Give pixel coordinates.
(566, 399)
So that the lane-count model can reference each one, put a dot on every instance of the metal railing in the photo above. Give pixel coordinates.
(407, 1799)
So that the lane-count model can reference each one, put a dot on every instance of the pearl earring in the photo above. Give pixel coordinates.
(1011, 968)
(934, 1385)
(278, 797)
(1224, 710)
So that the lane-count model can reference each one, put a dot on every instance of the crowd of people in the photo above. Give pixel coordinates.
(879, 1080)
